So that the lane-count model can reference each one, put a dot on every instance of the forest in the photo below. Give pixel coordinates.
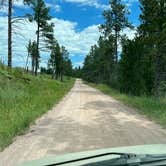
(137, 66)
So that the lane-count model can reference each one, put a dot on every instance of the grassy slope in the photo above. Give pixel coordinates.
(23, 99)
(153, 108)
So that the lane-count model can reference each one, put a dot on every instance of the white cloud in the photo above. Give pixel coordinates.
(129, 2)
(20, 39)
(20, 4)
(57, 8)
(53, 6)
(4, 9)
(130, 33)
(97, 4)
(92, 3)
(77, 43)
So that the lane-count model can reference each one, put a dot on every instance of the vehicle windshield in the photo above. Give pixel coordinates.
(80, 79)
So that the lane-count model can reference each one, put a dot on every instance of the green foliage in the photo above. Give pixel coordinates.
(44, 31)
(99, 64)
(136, 69)
(18, 72)
(67, 64)
(152, 30)
(77, 72)
(115, 18)
(19, 106)
(141, 68)
(115, 21)
(55, 61)
(33, 53)
(59, 63)
(162, 89)
(2, 66)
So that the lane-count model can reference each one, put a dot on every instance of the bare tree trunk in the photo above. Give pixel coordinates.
(37, 56)
(38, 38)
(10, 34)
(33, 65)
(26, 64)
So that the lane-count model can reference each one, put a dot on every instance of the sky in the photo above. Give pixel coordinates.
(76, 27)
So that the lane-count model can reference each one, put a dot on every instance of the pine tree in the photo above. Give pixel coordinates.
(29, 46)
(66, 65)
(53, 58)
(99, 64)
(32, 52)
(115, 22)
(55, 62)
(152, 29)
(132, 68)
(44, 29)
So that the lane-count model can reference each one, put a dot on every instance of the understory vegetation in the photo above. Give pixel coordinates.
(24, 98)
(152, 107)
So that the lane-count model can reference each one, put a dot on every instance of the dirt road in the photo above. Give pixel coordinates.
(86, 119)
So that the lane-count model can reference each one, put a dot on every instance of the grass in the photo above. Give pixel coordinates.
(153, 108)
(23, 98)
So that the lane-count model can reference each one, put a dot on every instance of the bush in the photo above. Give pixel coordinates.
(18, 72)
(162, 89)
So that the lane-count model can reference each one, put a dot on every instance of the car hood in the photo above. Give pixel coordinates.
(143, 149)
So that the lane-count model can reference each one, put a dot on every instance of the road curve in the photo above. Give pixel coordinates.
(85, 119)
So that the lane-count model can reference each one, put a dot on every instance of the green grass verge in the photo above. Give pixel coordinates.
(23, 98)
(153, 108)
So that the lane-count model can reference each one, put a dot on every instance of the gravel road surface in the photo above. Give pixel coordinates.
(85, 119)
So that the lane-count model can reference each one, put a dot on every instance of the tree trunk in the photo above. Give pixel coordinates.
(33, 65)
(26, 64)
(38, 38)
(10, 34)
(37, 56)
(116, 47)
(116, 60)
(61, 77)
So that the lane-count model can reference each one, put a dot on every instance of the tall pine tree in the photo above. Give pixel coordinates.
(44, 30)
(152, 30)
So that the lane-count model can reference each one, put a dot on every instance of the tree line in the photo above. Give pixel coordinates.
(140, 68)
(59, 62)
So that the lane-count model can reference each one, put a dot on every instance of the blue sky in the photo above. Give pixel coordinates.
(76, 27)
